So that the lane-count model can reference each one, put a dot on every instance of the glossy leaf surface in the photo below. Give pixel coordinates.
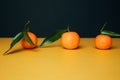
(107, 32)
(52, 38)
(25, 33)
(15, 40)
(110, 33)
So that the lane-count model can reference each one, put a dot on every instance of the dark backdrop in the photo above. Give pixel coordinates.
(46, 16)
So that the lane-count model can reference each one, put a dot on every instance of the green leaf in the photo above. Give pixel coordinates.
(15, 40)
(110, 33)
(52, 38)
(25, 34)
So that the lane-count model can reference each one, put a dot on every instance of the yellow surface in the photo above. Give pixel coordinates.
(53, 62)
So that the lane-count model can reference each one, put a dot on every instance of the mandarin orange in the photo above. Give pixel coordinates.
(103, 42)
(27, 45)
(70, 40)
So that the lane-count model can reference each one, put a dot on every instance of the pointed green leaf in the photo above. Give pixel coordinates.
(25, 34)
(16, 39)
(52, 38)
(110, 33)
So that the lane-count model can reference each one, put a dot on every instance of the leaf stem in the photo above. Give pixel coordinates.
(26, 27)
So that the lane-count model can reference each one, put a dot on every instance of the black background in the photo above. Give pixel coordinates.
(83, 16)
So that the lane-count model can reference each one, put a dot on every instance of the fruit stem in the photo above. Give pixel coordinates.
(27, 24)
(68, 28)
(103, 26)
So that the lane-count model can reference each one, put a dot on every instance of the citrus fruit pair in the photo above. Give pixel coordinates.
(71, 40)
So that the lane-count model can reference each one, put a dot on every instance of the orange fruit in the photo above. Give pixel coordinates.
(70, 40)
(103, 42)
(27, 45)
